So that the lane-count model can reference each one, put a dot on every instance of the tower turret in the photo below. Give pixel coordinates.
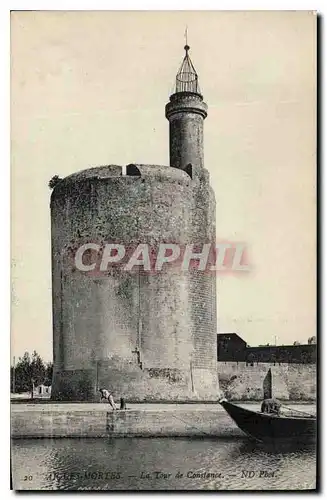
(186, 111)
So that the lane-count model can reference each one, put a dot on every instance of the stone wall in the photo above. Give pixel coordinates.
(241, 382)
(142, 423)
(186, 145)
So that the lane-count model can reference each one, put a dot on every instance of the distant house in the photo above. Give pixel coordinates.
(230, 347)
(42, 391)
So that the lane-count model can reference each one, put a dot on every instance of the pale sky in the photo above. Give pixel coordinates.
(89, 88)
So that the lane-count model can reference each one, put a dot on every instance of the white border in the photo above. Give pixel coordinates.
(319, 6)
(167, 5)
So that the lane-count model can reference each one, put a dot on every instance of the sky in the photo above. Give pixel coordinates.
(89, 88)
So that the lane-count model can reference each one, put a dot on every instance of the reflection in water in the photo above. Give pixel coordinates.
(156, 464)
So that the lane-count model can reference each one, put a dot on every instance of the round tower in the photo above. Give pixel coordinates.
(186, 111)
(143, 335)
(127, 330)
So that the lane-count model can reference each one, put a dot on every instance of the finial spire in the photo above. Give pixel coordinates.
(187, 47)
(187, 78)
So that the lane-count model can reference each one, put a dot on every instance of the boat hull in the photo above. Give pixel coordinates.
(265, 427)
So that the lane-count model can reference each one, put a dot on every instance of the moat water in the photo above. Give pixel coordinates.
(159, 464)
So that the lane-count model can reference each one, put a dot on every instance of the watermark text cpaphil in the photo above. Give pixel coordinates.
(98, 258)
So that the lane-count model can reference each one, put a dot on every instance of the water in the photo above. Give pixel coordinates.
(159, 464)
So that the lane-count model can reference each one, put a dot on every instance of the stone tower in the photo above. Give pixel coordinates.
(144, 336)
(186, 112)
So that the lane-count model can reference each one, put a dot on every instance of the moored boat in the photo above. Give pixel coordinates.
(267, 427)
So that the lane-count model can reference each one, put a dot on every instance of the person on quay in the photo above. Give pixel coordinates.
(106, 395)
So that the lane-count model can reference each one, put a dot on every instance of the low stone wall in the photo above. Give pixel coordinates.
(242, 382)
(139, 423)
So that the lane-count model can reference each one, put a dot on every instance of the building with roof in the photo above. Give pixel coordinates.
(231, 347)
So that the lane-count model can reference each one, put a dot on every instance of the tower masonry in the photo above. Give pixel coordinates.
(144, 336)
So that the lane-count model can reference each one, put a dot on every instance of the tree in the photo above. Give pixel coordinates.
(29, 371)
(312, 340)
(296, 342)
(48, 373)
(38, 370)
(54, 181)
(23, 373)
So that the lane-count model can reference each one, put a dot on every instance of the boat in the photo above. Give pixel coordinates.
(268, 427)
